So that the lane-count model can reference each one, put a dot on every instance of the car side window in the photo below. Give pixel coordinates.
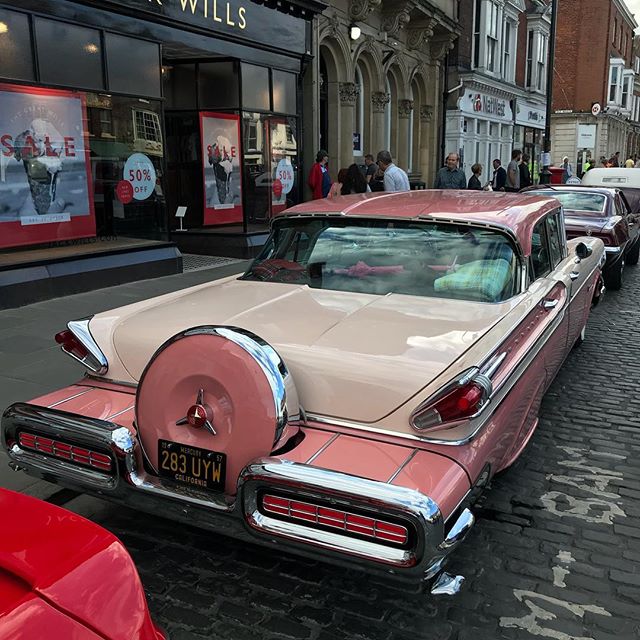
(556, 241)
(540, 259)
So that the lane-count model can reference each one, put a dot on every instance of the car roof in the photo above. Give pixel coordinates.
(516, 213)
(614, 176)
(605, 191)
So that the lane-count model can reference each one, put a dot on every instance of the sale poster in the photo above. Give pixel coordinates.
(46, 192)
(221, 168)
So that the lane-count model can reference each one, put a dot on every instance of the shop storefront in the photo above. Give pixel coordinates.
(529, 133)
(116, 114)
(480, 130)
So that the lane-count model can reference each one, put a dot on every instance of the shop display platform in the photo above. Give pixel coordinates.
(37, 274)
(228, 240)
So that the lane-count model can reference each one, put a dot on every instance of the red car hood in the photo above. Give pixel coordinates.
(55, 565)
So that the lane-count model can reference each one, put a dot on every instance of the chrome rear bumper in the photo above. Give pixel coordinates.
(241, 516)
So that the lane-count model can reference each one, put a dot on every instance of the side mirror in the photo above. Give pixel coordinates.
(582, 251)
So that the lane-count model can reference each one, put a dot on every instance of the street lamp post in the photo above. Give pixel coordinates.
(545, 174)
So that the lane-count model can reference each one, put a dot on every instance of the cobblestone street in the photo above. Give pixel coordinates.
(555, 552)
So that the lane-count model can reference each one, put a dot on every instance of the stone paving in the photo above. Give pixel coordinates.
(555, 552)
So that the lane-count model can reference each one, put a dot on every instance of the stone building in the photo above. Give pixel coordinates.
(593, 94)
(497, 81)
(377, 82)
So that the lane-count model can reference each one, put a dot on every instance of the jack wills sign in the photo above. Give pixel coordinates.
(243, 19)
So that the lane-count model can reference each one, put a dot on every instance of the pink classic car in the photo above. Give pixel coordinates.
(65, 578)
(346, 398)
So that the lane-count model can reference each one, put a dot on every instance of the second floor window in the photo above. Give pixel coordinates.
(614, 81)
(541, 63)
(492, 37)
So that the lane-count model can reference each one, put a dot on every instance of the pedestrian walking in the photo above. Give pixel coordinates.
(451, 176)
(499, 178)
(614, 161)
(319, 179)
(354, 181)
(370, 168)
(567, 169)
(474, 181)
(586, 166)
(395, 178)
(629, 163)
(525, 172)
(513, 172)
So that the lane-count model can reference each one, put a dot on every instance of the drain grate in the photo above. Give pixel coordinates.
(193, 262)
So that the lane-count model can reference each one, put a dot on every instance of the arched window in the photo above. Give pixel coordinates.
(387, 116)
(358, 143)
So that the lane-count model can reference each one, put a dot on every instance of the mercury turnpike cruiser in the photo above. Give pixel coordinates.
(63, 577)
(606, 214)
(348, 397)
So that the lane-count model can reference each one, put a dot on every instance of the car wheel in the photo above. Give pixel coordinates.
(613, 279)
(633, 255)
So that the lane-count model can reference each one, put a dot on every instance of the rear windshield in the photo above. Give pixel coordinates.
(382, 257)
(576, 201)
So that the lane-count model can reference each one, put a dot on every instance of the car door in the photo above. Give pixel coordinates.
(559, 294)
(624, 209)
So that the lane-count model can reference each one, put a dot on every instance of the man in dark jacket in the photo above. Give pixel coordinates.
(525, 173)
(499, 176)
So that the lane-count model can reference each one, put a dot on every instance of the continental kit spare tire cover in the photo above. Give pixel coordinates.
(212, 390)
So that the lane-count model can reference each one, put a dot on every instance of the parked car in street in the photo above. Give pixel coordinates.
(627, 180)
(348, 397)
(62, 576)
(604, 213)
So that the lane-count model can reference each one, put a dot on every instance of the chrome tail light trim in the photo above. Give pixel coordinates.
(95, 360)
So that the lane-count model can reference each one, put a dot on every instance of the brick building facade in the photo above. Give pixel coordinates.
(595, 103)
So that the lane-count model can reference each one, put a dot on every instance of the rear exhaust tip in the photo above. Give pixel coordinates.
(447, 585)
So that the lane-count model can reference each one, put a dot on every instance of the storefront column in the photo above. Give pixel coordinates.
(349, 92)
(434, 98)
(425, 159)
(379, 101)
(405, 107)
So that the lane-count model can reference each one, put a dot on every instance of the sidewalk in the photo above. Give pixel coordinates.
(31, 363)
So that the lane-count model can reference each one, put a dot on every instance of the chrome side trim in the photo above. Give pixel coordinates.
(398, 471)
(77, 395)
(96, 361)
(324, 447)
(613, 250)
(115, 415)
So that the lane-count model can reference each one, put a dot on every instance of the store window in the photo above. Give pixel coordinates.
(255, 87)
(16, 55)
(119, 128)
(121, 50)
(284, 92)
(77, 62)
(219, 87)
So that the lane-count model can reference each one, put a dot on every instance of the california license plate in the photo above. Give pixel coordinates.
(192, 466)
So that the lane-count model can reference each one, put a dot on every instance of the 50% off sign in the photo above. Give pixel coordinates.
(140, 173)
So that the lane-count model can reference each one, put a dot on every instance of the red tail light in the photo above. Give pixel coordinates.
(459, 401)
(71, 345)
(65, 451)
(374, 528)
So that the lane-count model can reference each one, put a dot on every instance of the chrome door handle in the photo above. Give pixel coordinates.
(549, 304)
(574, 275)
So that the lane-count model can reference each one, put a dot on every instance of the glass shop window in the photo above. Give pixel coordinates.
(69, 55)
(179, 85)
(120, 127)
(144, 80)
(255, 87)
(16, 54)
(218, 85)
(284, 92)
